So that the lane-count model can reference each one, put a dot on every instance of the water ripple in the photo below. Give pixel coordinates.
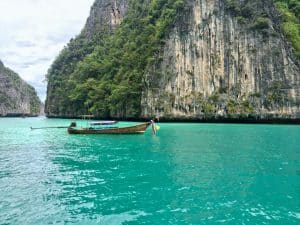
(186, 174)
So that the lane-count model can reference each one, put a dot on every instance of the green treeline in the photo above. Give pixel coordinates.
(108, 82)
(290, 13)
(57, 101)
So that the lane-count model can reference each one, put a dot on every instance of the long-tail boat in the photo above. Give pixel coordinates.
(108, 127)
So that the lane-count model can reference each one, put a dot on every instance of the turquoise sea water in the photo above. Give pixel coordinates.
(186, 174)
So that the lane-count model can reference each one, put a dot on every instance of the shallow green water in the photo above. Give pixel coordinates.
(186, 174)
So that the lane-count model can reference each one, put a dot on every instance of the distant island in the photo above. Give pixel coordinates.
(17, 98)
(181, 60)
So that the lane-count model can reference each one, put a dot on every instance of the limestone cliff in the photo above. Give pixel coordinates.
(190, 59)
(216, 63)
(104, 17)
(16, 97)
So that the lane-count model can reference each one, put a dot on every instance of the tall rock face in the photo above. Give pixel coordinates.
(180, 59)
(225, 59)
(105, 16)
(16, 96)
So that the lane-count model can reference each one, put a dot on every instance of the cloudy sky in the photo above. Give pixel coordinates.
(32, 33)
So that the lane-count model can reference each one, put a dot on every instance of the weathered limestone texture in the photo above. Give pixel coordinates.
(105, 14)
(16, 96)
(215, 65)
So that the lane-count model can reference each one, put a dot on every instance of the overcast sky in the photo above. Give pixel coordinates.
(32, 33)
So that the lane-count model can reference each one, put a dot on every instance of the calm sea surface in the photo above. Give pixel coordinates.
(186, 174)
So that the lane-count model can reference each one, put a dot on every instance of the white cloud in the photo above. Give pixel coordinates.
(34, 31)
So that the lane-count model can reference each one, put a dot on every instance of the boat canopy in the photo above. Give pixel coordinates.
(87, 116)
(103, 123)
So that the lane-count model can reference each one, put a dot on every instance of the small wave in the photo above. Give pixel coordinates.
(295, 214)
(119, 219)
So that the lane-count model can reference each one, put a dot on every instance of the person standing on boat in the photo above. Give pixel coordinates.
(153, 126)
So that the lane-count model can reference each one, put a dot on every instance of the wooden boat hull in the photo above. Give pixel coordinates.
(136, 129)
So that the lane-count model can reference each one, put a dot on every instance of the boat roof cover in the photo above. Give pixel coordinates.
(103, 123)
(87, 116)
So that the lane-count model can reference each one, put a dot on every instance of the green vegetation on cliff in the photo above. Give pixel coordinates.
(58, 75)
(288, 9)
(109, 81)
(290, 13)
